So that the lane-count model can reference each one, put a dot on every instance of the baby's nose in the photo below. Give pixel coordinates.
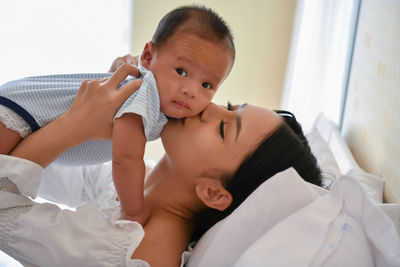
(189, 90)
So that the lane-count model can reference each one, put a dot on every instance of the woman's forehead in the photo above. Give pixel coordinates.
(259, 121)
(263, 115)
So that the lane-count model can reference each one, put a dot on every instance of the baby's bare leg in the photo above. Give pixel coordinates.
(8, 139)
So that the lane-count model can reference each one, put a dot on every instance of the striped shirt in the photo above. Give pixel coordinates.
(41, 99)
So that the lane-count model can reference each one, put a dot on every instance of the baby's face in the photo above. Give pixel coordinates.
(189, 71)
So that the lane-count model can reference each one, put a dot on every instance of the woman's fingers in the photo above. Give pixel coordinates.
(103, 80)
(128, 89)
(98, 100)
(121, 74)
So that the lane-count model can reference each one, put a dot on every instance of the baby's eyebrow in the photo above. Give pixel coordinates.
(184, 59)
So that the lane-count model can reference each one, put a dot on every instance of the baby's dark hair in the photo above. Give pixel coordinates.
(286, 147)
(201, 21)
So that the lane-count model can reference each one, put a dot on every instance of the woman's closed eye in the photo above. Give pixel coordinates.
(221, 129)
(222, 124)
(181, 72)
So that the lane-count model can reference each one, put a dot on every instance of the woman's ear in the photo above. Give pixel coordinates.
(147, 54)
(213, 194)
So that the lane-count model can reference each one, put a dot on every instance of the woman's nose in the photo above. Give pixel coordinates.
(213, 111)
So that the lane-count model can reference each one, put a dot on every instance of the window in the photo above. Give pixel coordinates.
(46, 36)
(320, 57)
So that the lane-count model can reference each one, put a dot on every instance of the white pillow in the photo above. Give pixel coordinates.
(323, 126)
(373, 185)
(335, 158)
(392, 210)
(342, 228)
(341, 152)
(326, 160)
(274, 200)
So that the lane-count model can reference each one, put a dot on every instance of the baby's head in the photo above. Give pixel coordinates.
(191, 54)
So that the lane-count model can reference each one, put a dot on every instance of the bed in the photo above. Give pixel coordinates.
(285, 222)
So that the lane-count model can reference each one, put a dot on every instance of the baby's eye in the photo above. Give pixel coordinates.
(206, 85)
(181, 72)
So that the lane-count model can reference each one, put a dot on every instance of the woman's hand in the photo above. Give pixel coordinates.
(133, 60)
(97, 102)
(89, 117)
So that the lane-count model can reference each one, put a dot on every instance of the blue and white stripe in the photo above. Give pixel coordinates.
(41, 99)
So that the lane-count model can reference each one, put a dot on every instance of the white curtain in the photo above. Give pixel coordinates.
(319, 59)
(62, 36)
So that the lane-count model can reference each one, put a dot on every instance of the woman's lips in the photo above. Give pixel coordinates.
(180, 104)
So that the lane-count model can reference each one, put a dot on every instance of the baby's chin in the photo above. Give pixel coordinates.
(180, 114)
(174, 115)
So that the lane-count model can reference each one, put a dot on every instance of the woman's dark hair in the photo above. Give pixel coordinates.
(202, 21)
(286, 147)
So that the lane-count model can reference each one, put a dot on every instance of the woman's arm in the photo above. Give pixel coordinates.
(90, 117)
(62, 237)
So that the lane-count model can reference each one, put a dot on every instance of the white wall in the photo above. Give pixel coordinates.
(371, 124)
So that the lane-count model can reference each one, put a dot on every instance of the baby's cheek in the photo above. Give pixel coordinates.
(212, 93)
(199, 109)
(205, 101)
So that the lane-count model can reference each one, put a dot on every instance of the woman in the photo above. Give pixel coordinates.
(213, 161)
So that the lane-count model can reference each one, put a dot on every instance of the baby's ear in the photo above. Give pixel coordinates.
(212, 193)
(147, 54)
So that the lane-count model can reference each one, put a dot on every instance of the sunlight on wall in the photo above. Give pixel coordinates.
(371, 123)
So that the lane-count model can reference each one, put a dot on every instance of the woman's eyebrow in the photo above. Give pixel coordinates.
(239, 121)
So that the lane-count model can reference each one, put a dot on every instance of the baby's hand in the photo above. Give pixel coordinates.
(133, 60)
(141, 218)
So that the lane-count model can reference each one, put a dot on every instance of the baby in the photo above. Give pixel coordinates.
(190, 55)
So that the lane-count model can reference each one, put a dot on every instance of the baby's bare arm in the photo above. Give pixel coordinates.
(129, 144)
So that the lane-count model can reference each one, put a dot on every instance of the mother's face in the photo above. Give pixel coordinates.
(217, 140)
